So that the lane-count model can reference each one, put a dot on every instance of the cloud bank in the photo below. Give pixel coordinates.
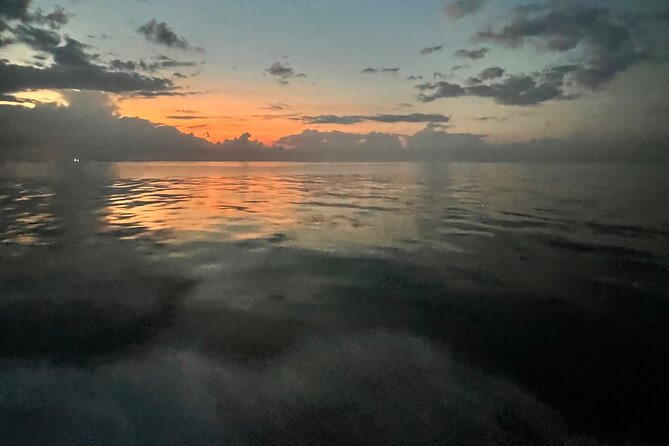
(89, 128)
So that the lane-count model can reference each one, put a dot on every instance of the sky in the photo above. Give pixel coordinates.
(505, 72)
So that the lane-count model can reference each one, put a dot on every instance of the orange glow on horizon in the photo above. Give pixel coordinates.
(203, 118)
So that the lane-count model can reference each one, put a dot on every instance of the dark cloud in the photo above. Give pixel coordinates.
(14, 9)
(441, 89)
(475, 54)
(126, 65)
(512, 90)
(161, 34)
(431, 49)
(355, 119)
(73, 53)
(74, 67)
(37, 38)
(162, 63)
(283, 73)
(600, 42)
(19, 10)
(491, 73)
(414, 77)
(15, 78)
(89, 128)
(462, 8)
(603, 45)
(371, 70)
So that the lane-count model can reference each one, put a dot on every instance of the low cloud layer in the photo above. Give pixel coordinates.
(89, 128)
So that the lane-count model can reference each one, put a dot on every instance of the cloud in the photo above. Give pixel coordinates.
(187, 117)
(463, 8)
(14, 78)
(371, 70)
(387, 118)
(162, 62)
(431, 49)
(512, 90)
(14, 9)
(491, 73)
(19, 10)
(161, 34)
(414, 77)
(90, 129)
(279, 106)
(475, 54)
(283, 72)
(74, 67)
(600, 43)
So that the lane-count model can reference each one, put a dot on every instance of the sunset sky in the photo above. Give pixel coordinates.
(508, 71)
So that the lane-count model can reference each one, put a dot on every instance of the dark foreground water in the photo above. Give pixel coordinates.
(162, 303)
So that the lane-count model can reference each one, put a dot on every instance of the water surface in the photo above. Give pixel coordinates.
(553, 278)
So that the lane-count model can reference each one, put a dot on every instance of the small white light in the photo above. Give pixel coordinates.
(76, 160)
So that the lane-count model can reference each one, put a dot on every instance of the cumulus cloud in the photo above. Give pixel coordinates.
(463, 8)
(473, 54)
(599, 40)
(512, 90)
(160, 33)
(283, 73)
(355, 119)
(74, 65)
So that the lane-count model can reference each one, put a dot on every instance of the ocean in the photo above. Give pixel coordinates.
(399, 303)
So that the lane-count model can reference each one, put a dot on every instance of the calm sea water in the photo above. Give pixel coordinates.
(553, 279)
